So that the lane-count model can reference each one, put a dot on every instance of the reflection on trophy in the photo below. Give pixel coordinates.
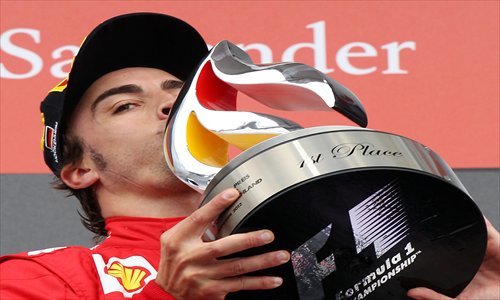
(365, 214)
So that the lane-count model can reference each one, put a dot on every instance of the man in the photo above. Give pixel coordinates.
(104, 134)
(106, 145)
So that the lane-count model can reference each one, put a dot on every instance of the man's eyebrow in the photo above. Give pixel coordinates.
(124, 89)
(170, 84)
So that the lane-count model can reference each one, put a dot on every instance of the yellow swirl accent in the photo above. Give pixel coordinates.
(205, 146)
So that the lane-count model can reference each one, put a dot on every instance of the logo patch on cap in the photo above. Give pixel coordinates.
(50, 140)
(48, 137)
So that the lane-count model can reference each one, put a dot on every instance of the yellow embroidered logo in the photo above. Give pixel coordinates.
(42, 141)
(60, 86)
(132, 278)
(128, 275)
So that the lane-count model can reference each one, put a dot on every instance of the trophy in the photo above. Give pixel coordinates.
(365, 214)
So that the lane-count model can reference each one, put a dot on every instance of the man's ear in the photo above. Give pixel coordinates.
(77, 177)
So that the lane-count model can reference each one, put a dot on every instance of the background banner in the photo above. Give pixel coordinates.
(428, 70)
(425, 70)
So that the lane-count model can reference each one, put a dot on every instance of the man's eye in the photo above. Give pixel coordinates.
(124, 107)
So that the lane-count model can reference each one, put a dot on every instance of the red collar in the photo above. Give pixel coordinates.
(137, 231)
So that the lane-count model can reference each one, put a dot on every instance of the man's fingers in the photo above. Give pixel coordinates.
(241, 283)
(426, 294)
(239, 266)
(493, 243)
(493, 233)
(236, 243)
(199, 220)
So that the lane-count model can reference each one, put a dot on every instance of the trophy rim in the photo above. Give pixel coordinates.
(271, 143)
(308, 132)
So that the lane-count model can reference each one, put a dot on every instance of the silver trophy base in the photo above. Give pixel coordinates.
(364, 214)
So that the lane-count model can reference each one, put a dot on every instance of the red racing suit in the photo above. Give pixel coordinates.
(123, 266)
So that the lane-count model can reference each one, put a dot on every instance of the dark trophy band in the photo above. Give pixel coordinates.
(365, 214)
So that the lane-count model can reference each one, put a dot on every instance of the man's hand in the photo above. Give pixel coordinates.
(485, 285)
(190, 269)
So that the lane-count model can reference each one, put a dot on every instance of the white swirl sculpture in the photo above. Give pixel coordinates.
(204, 120)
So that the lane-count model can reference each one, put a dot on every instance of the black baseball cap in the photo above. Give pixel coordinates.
(132, 40)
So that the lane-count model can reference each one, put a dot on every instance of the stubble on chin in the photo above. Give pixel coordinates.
(144, 166)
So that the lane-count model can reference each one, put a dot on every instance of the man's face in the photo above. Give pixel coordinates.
(121, 119)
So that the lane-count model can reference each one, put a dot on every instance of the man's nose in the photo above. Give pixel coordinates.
(164, 110)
